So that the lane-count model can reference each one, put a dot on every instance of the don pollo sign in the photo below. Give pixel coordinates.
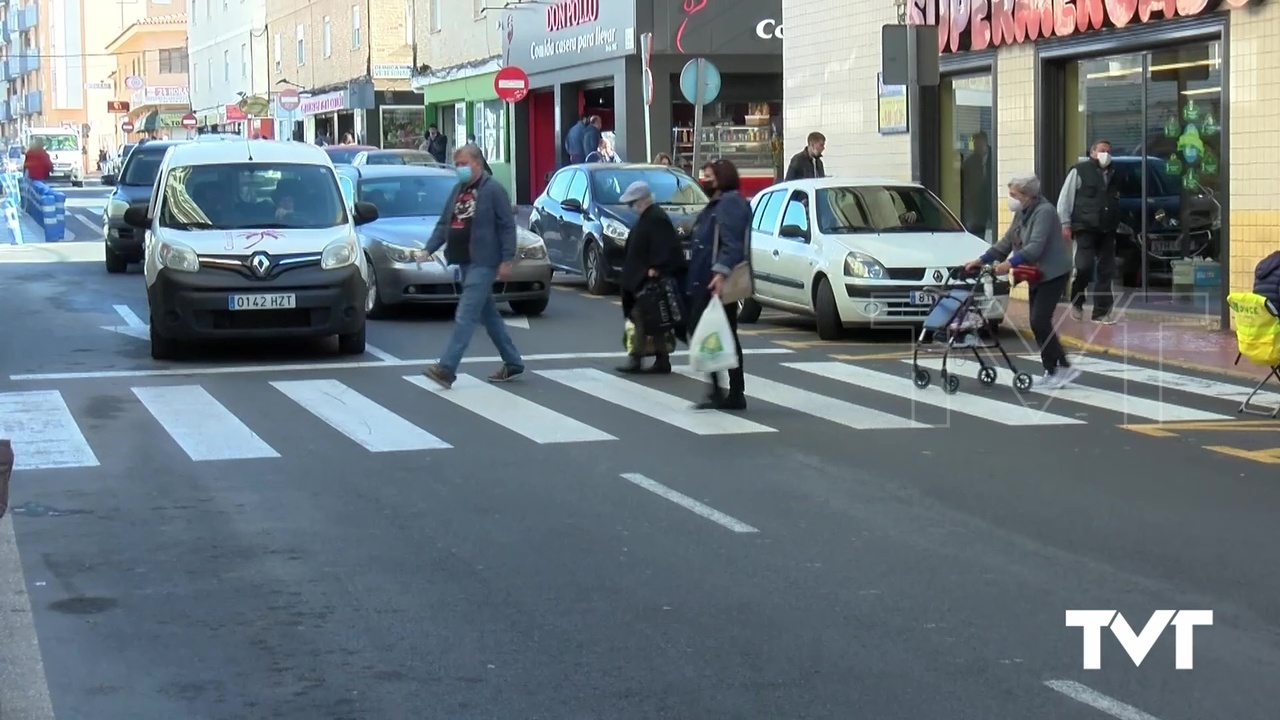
(983, 24)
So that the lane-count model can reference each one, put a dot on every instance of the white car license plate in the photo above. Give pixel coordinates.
(1164, 246)
(921, 298)
(280, 301)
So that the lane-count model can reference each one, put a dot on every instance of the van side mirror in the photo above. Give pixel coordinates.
(136, 217)
(365, 213)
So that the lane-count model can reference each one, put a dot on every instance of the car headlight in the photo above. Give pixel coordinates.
(615, 229)
(398, 253)
(116, 208)
(864, 266)
(534, 250)
(339, 254)
(177, 256)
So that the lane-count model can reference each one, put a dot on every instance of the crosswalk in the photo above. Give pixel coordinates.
(389, 413)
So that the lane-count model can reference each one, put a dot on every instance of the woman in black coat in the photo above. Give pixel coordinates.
(653, 251)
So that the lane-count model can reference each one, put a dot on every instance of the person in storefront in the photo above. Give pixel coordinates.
(604, 152)
(435, 143)
(807, 163)
(1089, 208)
(719, 245)
(1033, 246)
(662, 159)
(348, 139)
(591, 135)
(975, 187)
(654, 252)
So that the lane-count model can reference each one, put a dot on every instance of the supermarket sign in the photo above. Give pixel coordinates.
(984, 24)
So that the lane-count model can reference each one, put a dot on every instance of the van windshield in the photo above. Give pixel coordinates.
(56, 143)
(245, 196)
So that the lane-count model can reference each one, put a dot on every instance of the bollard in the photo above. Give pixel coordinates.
(49, 217)
(60, 206)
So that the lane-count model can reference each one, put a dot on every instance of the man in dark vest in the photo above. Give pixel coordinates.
(1089, 207)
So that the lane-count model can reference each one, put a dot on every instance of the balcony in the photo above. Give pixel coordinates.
(28, 62)
(34, 102)
(11, 68)
(28, 17)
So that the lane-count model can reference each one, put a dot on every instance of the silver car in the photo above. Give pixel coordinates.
(410, 201)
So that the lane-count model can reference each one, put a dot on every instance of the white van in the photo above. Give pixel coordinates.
(251, 239)
(65, 151)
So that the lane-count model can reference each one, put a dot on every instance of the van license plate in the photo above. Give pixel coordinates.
(262, 302)
(921, 298)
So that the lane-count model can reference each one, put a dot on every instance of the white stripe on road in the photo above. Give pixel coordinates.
(357, 364)
(689, 503)
(129, 316)
(1171, 381)
(541, 425)
(24, 688)
(44, 433)
(974, 405)
(94, 228)
(382, 355)
(653, 403)
(820, 406)
(203, 427)
(1098, 701)
(374, 427)
(1122, 403)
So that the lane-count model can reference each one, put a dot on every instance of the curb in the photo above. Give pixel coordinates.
(1082, 346)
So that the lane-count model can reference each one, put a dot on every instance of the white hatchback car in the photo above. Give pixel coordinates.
(856, 253)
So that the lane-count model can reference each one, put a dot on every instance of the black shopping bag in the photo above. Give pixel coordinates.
(659, 305)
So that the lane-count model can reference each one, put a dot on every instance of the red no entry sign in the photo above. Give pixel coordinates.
(290, 99)
(511, 84)
(189, 121)
(126, 126)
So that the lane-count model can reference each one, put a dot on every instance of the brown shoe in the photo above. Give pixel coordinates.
(440, 376)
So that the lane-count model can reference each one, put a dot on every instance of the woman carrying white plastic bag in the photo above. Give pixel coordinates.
(719, 276)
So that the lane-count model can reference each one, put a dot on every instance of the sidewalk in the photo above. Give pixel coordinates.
(32, 231)
(1192, 342)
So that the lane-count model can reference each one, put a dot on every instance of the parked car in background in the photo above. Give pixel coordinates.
(396, 157)
(584, 226)
(856, 253)
(345, 154)
(116, 162)
(131, 187)
(410, 201)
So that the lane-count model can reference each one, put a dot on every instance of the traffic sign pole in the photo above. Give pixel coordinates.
(699, 99)
(646, 46)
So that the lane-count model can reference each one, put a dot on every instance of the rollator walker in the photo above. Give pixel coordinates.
(1258, 337)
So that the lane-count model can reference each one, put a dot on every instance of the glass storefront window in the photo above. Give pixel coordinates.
(491, 129)
(403, 127)
(967, 132)
(1162, 112)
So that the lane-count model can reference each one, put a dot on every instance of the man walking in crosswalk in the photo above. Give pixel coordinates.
(478, 233)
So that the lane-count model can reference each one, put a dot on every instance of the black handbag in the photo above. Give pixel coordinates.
(658, 307)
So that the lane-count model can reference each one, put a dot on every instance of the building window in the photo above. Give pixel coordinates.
(173, 61)
(408, 22)
(490, 129)
(208, 73)
(968, 135)
(326, 40)
(226, 66)
(355, 26)
(302, 46)
(277, 54)
(244, 60)
(437, 15)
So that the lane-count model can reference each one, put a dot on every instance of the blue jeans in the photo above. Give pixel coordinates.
(476, 306)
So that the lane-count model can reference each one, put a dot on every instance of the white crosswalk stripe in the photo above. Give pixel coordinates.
(844, 396)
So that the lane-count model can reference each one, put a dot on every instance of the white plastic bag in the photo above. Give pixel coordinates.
(711, 347)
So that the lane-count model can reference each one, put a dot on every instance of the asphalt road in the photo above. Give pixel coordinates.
(84, 210)
(282, 533)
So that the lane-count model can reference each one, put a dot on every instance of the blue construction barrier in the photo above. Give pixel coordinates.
(12, 183)
(41, 203)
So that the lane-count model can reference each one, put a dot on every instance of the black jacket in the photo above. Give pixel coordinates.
(1266, 278)
(805, 166)
(1097, 202)
(652, 243)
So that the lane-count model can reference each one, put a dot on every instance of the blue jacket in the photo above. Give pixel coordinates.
(493, 229)
(573, 139)
(732, 214)
(590, 139)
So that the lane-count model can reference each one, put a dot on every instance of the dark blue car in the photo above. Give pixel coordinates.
(1180, 223)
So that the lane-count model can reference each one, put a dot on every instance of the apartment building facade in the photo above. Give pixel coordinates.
(228, 46)
(457, 72)
(41, 53)
(351, 61)
(152, 74)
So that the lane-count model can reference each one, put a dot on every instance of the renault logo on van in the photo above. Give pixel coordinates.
(260, 263)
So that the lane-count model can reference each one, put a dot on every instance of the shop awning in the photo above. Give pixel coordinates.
(155, 120)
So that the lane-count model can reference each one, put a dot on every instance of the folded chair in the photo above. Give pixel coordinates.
(1258, 337)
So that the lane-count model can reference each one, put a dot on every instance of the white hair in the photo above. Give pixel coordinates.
(1028, 185)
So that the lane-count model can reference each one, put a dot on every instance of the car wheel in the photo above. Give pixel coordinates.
(830, 326)
(162, 348)
(115, 263)
(748, 311)
(594, 267)
(352, 343)
(530, 308)
(373, 305)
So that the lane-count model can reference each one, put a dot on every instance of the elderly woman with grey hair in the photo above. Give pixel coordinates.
(1033, 248)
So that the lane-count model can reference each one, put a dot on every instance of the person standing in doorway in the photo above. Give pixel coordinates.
(478, 232)
(435, 143)
(975, 187)
(807, 163)
(1089, 208)
(591, 135)
(573, 140)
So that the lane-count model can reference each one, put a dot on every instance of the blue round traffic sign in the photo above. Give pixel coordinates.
(710, 81)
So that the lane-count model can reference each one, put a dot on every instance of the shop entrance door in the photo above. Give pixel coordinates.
(966, 154)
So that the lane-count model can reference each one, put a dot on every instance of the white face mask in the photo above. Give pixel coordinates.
(1104, 159)
(1014, 205)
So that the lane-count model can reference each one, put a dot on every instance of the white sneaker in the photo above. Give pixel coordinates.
(1048, 382)
(1066, 376)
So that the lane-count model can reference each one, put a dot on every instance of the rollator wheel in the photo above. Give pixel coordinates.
(1022, 382)
(953, 384)
(987, 376)
(921, 378)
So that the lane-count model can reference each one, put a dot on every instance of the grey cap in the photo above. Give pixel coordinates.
(635, 191)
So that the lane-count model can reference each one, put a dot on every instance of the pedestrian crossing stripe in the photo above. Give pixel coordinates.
(46, 435)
